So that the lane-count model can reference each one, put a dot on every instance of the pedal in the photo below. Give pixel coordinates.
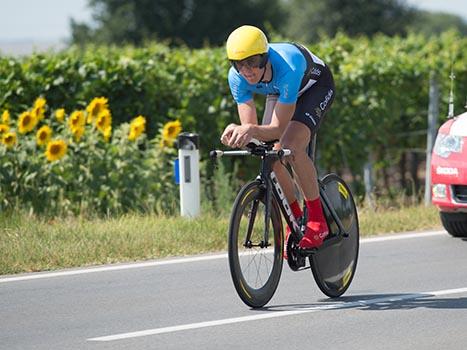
(304, 268)
(303, 252)
(296, 263)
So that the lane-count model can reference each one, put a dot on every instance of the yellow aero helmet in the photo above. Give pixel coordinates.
(246, 41)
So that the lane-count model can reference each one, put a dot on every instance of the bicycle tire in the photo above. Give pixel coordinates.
(254, 290)
(333, 267)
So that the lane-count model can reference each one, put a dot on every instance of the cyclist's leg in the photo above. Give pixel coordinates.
(296, 138)
(311, 108)
(281, 172)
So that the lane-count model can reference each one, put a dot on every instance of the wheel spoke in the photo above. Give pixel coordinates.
(257, 265)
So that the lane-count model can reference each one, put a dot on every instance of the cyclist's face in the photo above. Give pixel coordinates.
(249, 68)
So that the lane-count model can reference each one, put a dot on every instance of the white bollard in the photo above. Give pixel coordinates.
(188, 158)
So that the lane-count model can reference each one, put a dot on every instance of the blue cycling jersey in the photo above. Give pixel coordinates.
(288, 68)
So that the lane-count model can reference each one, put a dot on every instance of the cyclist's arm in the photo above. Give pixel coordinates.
(247, 112)
(239, 136)
(247, 115)
(284, 109)
(281, 117)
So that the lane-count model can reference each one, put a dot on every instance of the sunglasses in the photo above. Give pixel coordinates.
(256, 61)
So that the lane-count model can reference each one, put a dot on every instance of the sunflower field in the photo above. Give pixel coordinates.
(59, 163)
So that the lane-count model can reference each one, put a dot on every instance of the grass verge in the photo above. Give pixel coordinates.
(35, 244)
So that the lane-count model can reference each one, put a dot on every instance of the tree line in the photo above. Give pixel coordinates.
(198, 23)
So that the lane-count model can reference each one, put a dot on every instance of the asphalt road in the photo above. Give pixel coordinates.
(408, 293)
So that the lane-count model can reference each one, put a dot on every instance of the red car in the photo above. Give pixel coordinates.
(449, 175)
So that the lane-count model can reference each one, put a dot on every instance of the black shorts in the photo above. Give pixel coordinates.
(313, 104)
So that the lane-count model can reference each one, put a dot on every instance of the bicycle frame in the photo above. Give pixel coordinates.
(256, 251)
(270, 186)
(269, 180)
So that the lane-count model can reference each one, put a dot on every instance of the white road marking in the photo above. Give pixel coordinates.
(113, 268)
(274, 314)
(119, 267)
(403, 236)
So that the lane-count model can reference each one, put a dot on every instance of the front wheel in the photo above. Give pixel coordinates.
(255, 268)
(454, 223)
(334, 265)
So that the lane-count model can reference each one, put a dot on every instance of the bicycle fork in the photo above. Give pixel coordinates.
(251, 221)
(270, 188)
(265, 192)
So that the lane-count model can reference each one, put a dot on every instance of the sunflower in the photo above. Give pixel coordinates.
(137, 127)
(76, 120)
(38, 110)
(170, 132)
(104, 120)
(26, 122)
(40, 102)
(78, 133)
(60, 115)
(43, 135)
(4, 128)
(107, 133)
(9, 139)
(5, 117)
(96, 106)
(166, 143)
(56, 149)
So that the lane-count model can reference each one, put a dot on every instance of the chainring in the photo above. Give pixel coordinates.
(294, 259)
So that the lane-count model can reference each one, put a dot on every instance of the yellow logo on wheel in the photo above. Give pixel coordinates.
(247, 195)
(343, 191)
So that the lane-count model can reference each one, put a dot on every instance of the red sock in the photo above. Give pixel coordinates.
(316, 226)
(296, 210)
(315, 211)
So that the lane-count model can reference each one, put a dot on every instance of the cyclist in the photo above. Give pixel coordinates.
(299, 90)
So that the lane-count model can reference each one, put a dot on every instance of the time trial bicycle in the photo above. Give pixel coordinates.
(256, 235)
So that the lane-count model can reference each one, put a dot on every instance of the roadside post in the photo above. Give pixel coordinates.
(433, 112)
(188, 166)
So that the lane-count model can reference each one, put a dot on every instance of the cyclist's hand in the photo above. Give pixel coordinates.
(227, 134)
(241, 135)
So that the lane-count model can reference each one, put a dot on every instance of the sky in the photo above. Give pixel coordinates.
(48, 20)
(41, 20)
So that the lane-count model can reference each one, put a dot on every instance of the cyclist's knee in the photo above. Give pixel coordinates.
(298, 152)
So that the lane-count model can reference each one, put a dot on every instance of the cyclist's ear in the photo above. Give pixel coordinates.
(232, 63)
(264, 60)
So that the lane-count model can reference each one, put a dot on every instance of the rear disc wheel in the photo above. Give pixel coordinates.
(333, 266)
